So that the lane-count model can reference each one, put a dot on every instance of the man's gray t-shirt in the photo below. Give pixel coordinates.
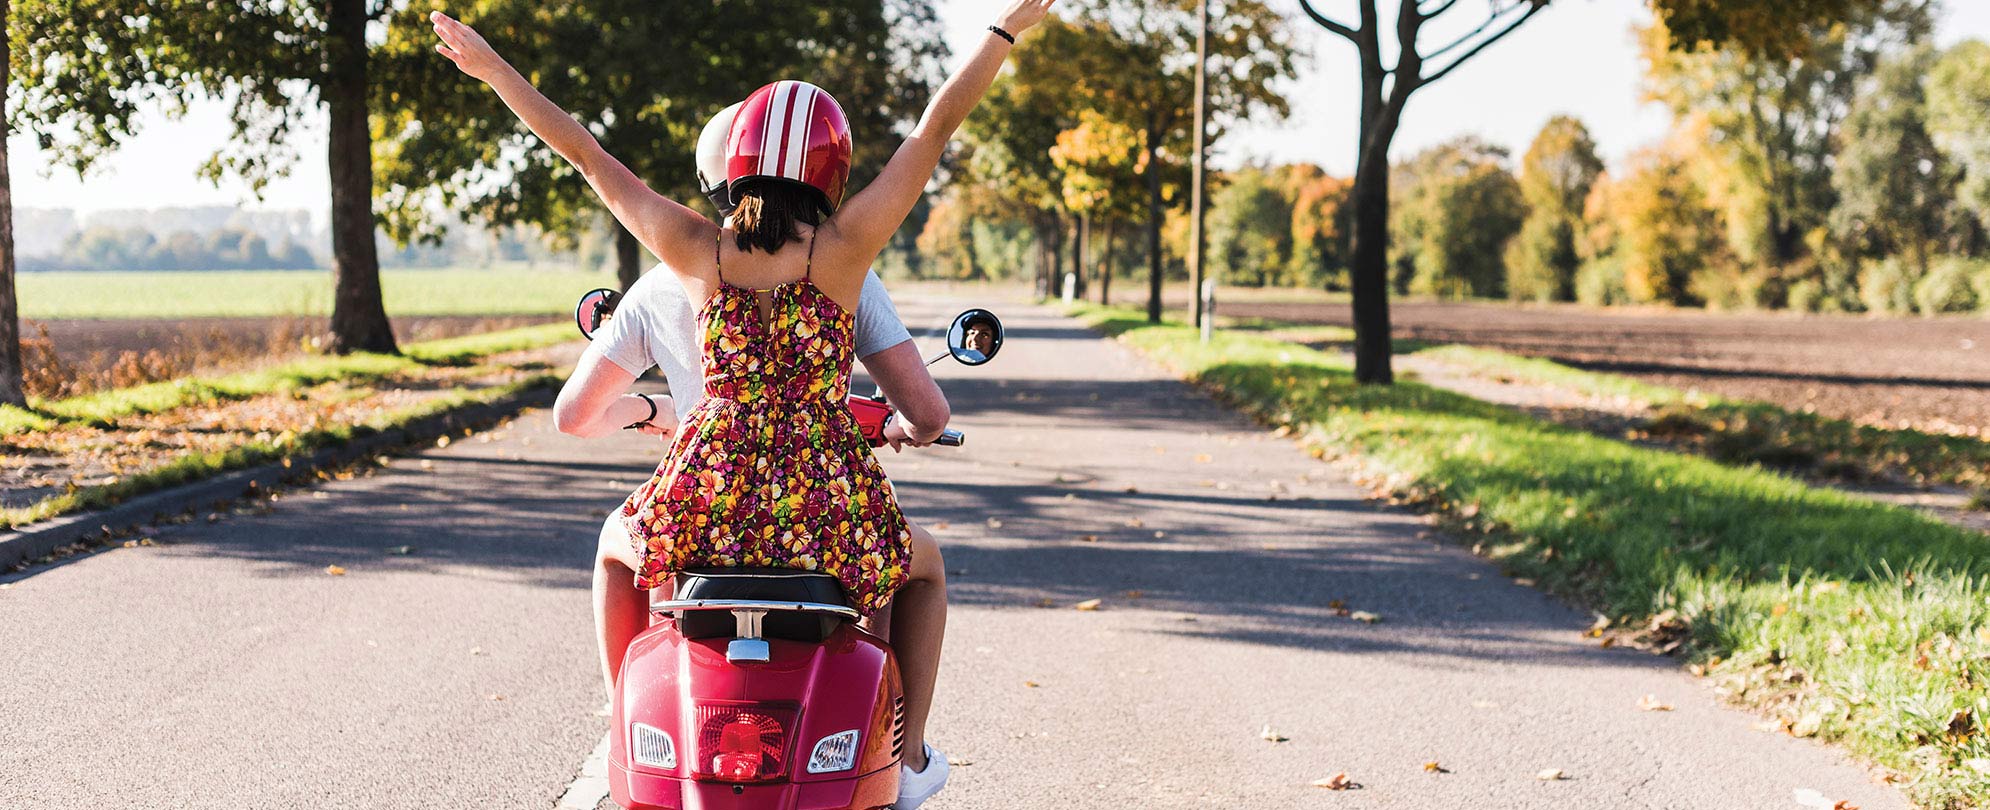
(656, 326)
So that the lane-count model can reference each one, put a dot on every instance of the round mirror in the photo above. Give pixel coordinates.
(975, 337)
(594, 309)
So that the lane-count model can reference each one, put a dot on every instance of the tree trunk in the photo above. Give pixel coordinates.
(11, 392)
(1369, 273)
(1105, 267)
(359, 319)
(628, 257)
(1077, 258)
(1153, 224)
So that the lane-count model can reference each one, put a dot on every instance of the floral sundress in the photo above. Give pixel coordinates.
(770, 469)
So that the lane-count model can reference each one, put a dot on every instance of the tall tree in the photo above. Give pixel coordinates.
(1459, 207)
(1556, 175)
(1896, 189)
(94, 66)
(644, 82)
(1319, 226)
(1774, 118)
(11, 390)
(1760, 25)
(1959, 120)
(1100, 161)
(1144, 75)
(1250, 229)
(1385, 91)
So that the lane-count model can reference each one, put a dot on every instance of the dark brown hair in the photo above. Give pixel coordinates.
(770, 212)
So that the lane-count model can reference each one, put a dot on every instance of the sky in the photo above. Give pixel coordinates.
(1576, 57)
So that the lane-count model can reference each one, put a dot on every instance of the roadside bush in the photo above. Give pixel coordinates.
(1946, 288)
(1980, 283)
(1808, 295)
(1887, 286)
(1600, 282)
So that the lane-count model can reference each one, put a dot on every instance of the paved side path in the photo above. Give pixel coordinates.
(225, 668)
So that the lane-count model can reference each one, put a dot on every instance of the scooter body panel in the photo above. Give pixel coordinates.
(848, 682)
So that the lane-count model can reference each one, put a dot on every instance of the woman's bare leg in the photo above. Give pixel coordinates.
(621, 610)
(918, 624)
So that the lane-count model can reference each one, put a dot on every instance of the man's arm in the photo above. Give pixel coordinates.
(922, 409)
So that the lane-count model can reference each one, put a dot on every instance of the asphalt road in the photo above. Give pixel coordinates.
(225, 667)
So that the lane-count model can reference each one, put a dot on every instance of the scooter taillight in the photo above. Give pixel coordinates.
(743, 742)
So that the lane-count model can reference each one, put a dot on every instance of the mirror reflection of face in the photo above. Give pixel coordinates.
(980, 338)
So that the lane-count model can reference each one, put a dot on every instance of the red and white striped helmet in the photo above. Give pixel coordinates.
(792, 131)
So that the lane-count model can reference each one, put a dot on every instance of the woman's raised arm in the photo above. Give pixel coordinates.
(676, 234)
(866, 222)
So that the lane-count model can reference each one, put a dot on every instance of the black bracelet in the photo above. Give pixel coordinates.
(652, 416)
(1003, 34)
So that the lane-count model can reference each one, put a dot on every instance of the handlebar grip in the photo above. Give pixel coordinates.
(951, 438)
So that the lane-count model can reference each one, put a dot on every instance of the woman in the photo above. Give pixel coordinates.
(769, 469)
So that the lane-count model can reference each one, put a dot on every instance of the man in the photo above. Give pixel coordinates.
(655, 326)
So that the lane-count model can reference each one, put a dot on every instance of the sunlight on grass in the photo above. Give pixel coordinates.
(1854, 621)
(105, 407)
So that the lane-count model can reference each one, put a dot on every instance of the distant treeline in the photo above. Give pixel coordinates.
(1851, 176)
(228, 248)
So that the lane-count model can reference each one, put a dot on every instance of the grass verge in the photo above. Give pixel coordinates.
(106, 407)
(195, 466)
(1744, 432)
(1851, 621)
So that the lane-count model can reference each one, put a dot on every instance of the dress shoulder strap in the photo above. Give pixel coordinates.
(809, 268)
(718, 247)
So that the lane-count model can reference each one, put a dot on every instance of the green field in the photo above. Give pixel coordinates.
(255, 293)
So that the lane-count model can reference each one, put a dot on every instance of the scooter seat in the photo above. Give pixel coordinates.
(766, 584)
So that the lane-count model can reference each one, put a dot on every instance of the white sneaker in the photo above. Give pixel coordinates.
(915, 787)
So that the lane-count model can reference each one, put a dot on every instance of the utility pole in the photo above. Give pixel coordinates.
(1197, 191)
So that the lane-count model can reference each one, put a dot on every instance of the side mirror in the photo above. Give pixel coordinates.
(594, 309)
(975, 337)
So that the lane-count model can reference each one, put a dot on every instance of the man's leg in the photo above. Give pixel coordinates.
(621, 610)
(918, 624)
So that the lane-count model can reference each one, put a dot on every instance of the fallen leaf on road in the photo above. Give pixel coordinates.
(1203, 458)
(994, 524)
(1271, 735)
(1089, 604)
(334, 570)
(1132, 490)
(1364, 617)
(495, 696)
(940, 526)
(1133, 594)
(1523, 582)
(476, 651)
(1338, 781)
(1551, 775)
(1651, 703)
(958, 762)
(1030, 684)
(1336, 604)
(1433, 767)
(1841, 804)
(442, 442)
(1046, 602)
(1088, 538)
(401, 551)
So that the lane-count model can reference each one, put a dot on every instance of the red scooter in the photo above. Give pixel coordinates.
(754, 688)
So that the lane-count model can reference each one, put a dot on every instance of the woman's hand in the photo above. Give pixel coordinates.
(895, 435)
(1022, 14)
(464, 46)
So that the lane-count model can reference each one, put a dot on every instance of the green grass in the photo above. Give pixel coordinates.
(250, 293)
(195, 466)
(1859, 622)
(106, 407)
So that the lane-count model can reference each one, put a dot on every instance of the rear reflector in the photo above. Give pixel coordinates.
(742, 742)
